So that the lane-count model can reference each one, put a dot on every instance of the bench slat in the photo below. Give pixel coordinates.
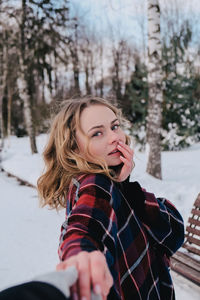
(192, 240)
(193, 230)
(191, 249)
(185, 271)
(195, 212)
(187, 260)
(194, 221)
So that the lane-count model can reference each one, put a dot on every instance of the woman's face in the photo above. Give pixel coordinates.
(101, 126)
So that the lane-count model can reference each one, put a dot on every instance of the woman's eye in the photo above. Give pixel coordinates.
(98, 133)
(116, 126)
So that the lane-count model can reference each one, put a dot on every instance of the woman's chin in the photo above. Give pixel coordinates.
(114, 162)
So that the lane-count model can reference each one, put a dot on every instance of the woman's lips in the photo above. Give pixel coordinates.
(115, 152)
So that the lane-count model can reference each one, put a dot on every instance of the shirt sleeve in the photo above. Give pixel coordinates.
(90, 223)
(160, 218)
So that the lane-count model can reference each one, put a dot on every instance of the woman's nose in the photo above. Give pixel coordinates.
(113, 137)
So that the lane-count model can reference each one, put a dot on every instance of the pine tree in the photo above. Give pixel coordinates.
(181, 98)
(135, 100)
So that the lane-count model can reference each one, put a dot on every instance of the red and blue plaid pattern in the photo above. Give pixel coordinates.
(136, 231)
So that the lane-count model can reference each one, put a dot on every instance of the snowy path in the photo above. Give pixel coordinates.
(29, 239)
(29, 235)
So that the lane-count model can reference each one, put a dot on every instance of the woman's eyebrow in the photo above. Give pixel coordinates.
(101, 126)
(114, 121)
(95, 127)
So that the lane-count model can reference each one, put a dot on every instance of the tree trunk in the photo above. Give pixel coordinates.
(116, 76)
(1, 122)
(75, 63)
(87, 85)
(73, 47)
(9, 106)
(102, 71)
(76, 76)
(24, 95)
(23, 85)
(3, 75)
(155, 77)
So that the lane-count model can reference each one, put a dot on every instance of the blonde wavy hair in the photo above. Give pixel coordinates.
(62, 160)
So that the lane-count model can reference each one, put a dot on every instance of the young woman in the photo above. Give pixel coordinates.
(118, 236)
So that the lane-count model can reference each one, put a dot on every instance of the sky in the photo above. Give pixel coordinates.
(129, 16)
(130, 8)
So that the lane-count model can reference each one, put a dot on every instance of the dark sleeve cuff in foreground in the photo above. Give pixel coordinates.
(32, 290)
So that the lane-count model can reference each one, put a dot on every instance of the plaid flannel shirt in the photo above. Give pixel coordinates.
(136, 231)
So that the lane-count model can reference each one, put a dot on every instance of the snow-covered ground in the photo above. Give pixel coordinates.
(29, 234)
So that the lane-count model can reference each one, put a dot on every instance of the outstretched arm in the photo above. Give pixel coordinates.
(83, 240)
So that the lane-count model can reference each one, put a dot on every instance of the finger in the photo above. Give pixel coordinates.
(100, 273)
(127, 147)
(126, 152)
(108, 281)
(97, 271)
(84, 277)
(108, 278)
(127, 155)
(128, 164)
(126, 169)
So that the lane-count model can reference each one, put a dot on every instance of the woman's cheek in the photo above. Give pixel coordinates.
(123, 136)
(92, 148)
(96, 149)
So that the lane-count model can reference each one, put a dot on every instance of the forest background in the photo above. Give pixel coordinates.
(52, 50)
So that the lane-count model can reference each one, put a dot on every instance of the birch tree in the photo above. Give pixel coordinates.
(155, 95)
(22, 81)
(3, 75)
(74, 50)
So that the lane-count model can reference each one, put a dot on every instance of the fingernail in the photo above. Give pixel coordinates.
(97, 289)
(120, 142)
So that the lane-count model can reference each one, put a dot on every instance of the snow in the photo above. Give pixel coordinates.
(29, 234)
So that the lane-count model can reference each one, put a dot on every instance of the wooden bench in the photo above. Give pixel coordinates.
(186, 261)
